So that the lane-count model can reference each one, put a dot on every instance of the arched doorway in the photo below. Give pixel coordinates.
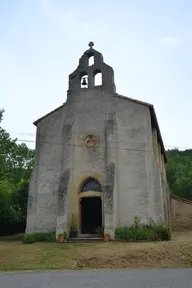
(90, 206)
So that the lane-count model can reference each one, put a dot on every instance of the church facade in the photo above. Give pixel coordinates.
(100, 159)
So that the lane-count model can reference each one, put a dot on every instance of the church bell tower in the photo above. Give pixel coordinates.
(91, 65)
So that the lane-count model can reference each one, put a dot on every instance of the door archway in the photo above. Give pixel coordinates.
(77, 195)
(90, 199)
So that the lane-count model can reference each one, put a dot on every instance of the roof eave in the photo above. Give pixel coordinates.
(154, 117)
(46, 115)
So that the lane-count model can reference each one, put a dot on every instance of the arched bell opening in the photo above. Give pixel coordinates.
(91, 58)
(84, 80)
(98, 81)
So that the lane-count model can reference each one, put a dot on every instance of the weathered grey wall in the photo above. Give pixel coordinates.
(64, 195)
(133, 190)
(32, 197)
(31, 208)
(48, 169)
(110, 183)
(91, 108)
(123, 156)
(139, 179)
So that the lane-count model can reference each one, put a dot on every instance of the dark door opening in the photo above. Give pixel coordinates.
(91, 214)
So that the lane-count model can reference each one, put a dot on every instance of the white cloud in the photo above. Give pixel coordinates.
(170, 40)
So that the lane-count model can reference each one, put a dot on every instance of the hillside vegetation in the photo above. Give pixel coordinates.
(179, 172)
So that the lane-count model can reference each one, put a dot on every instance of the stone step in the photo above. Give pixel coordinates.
(83, 240)
(88, 236)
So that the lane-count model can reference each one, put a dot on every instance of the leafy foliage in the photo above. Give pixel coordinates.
(179, 172)
(16, 164)
(39, 237)
(7, 212)
(142, 232)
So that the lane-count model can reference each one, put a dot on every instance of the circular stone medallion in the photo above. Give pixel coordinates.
(90, 141)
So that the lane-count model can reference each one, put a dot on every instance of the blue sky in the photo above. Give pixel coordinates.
(148, 43)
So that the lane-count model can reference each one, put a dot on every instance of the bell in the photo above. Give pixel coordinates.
(84, 83)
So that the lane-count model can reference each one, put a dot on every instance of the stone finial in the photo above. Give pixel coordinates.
(91, 44)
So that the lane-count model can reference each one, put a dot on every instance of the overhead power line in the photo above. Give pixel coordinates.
(79, 145)
(34, 135)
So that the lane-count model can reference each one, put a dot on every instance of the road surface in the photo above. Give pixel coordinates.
(163, 278)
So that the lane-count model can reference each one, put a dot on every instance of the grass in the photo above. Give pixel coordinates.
(14, 255)
(17, 237)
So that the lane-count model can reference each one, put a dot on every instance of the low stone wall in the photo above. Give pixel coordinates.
(181, 210)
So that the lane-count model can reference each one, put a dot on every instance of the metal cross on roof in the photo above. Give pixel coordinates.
(91, 44)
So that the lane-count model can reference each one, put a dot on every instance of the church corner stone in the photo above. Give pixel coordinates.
(62, 202)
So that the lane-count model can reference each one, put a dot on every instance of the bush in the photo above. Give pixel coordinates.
(162, 232)
(156, 232)
(39, 237)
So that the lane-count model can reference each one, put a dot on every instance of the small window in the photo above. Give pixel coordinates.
(97, 78)
(91, 185)
(84, 80)
(91, 60)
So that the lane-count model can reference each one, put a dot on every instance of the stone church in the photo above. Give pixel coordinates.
(100, 158)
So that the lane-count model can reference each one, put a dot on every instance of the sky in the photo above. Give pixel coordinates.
(148, 44)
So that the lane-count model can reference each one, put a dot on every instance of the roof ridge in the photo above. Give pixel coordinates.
(134, 100)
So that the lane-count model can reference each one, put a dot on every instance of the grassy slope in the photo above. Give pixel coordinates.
(176, 253)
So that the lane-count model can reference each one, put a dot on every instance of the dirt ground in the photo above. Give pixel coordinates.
(174, 253)
(14, 255)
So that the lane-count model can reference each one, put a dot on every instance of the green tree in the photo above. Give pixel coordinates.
(16, 164)
(179, 172)
(8, 215)
(19, 200)
(6, 208)
(16, 160)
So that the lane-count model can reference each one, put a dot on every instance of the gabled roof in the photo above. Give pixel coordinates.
(153, 119)
(150, 106)
(46, 115)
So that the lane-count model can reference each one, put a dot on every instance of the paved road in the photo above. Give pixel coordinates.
(164, 278)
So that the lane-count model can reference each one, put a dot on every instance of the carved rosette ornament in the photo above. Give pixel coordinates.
(90, 141)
